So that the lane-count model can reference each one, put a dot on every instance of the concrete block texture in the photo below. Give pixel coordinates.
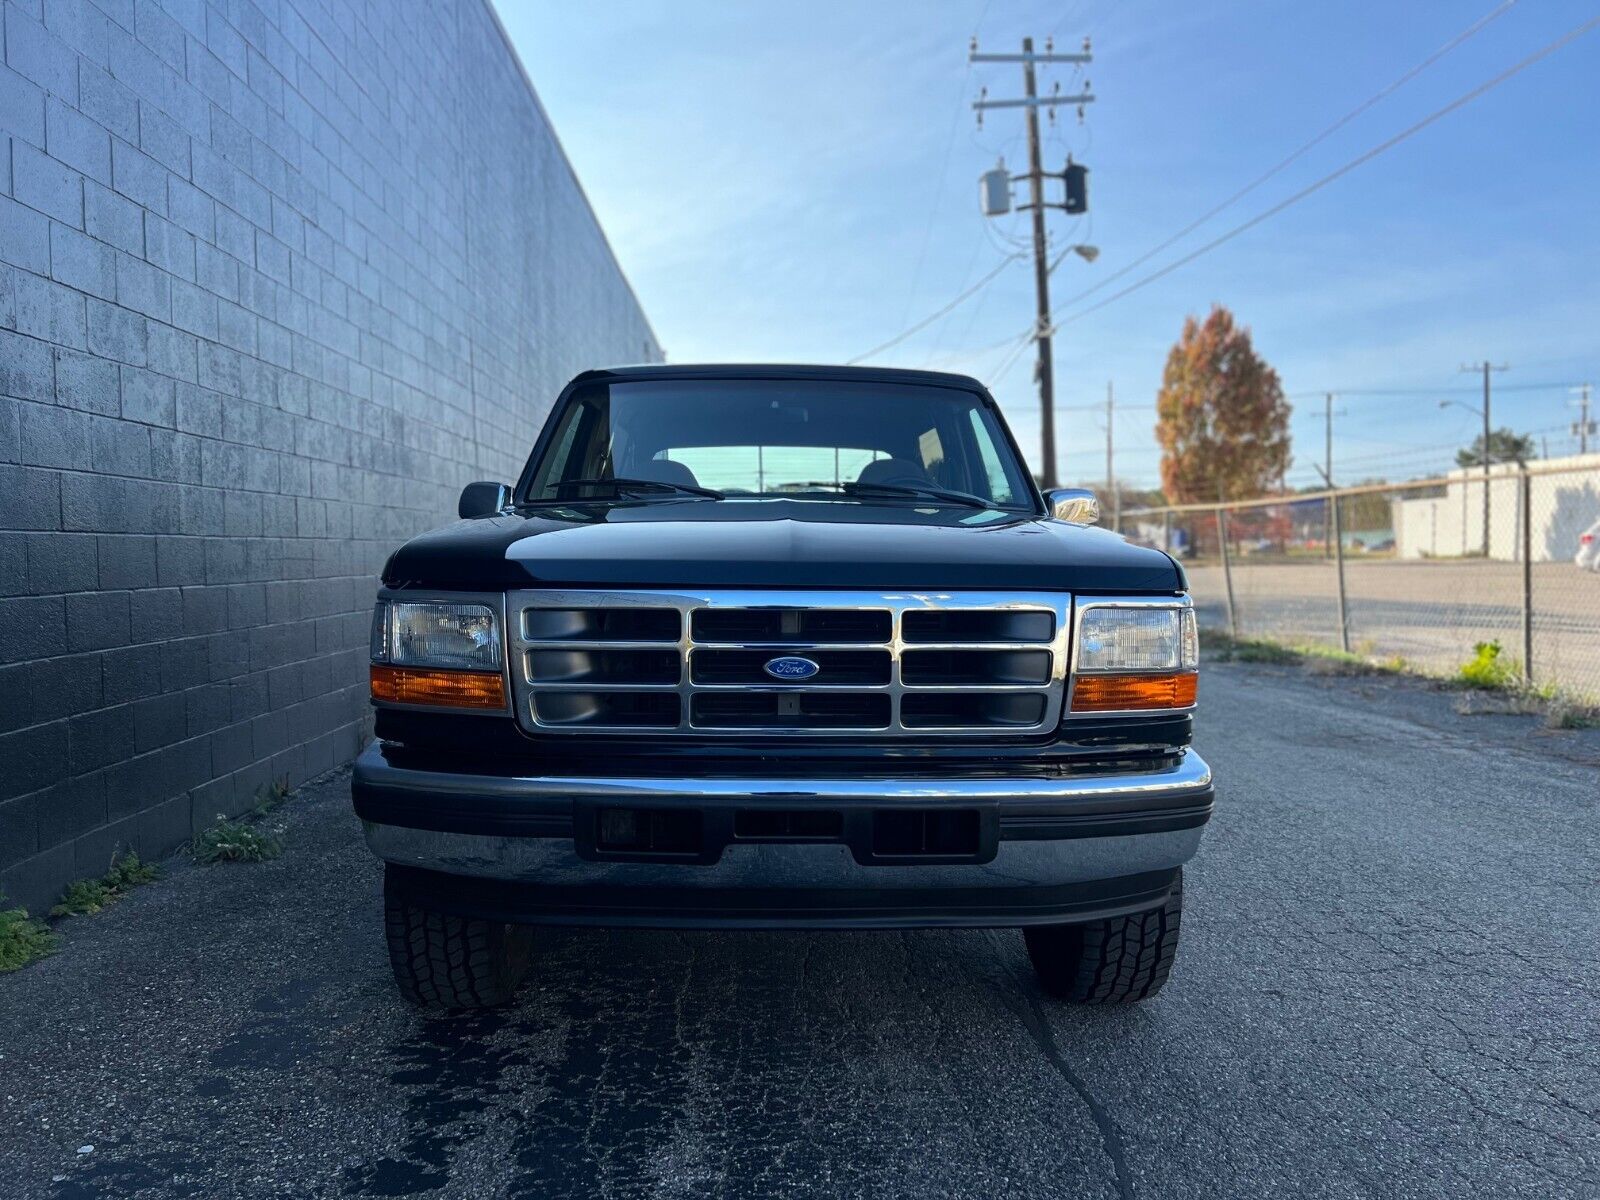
(275, 282)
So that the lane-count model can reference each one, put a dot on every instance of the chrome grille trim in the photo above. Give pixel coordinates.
(518, 604)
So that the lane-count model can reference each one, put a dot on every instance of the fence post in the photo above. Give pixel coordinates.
(1527, 573)
(1227, 571)
(1166, 532)
(1338, 562)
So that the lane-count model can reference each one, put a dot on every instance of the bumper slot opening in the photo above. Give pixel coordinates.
(788, 825)
(669, 832)
(918, 832)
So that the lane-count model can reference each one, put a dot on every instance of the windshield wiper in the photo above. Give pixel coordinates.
(914, 489)
(624, 484)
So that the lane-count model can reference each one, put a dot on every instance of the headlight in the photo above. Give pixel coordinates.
(1135, 657)
(1138, 639)
(460, 637)
(438, 653)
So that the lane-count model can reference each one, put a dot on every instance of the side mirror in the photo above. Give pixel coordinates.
(482, 499)
(1076, 506)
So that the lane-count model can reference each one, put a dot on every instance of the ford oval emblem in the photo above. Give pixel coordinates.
(791, 667)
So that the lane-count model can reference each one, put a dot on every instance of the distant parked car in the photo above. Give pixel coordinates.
(1589, 548)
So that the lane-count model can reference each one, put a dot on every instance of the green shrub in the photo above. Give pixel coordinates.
(236, 841)
(1486, 669)
(22, 939)
(91, 895)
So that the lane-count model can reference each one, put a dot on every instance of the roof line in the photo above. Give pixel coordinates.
(727, 370)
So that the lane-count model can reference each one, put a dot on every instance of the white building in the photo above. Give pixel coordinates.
(1564, 495)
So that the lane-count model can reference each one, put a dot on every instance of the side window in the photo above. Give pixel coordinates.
(1000, 489)
(563, 460)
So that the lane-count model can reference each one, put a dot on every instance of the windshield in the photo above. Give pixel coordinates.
(863, 442)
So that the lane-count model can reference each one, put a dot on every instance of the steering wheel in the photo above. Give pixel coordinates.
(905, 480)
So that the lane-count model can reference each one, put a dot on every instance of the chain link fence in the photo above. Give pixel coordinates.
(1421, 571)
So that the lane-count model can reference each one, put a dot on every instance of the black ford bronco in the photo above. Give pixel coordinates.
(780, 648)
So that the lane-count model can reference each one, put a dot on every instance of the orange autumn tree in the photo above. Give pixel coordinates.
(1221, 418)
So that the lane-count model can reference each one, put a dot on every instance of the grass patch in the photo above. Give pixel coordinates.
(248, 838)
(91, 895)
(1565, 714)
(1220, 647)
(22, 939)
(1506, 702)
(1325, 660)
(1490, 682)
(236, 841)
(270, 797)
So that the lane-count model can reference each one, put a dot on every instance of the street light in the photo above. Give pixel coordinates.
(1484, 413)
(1477, 412)
(1087, 253)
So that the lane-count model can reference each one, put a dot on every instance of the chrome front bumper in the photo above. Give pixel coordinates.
(1046, 836)
(819, 867)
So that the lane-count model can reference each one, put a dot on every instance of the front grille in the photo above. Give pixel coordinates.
(886, 664)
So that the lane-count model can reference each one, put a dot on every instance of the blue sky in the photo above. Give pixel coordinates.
(797, 182)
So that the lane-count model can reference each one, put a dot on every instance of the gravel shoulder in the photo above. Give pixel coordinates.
(1388, 987)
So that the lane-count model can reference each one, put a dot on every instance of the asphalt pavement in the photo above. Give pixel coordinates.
(1387, 987)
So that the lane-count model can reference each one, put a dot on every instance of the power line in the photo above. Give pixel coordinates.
(1411, 130)
(1355, 112)
(931, 318)
(1425, 391)
(944, 326)
(944, 171)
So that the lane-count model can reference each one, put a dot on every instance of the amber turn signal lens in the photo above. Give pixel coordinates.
(448, 689)
(1112, 693)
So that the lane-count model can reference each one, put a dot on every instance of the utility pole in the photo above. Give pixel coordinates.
(1327, 474)
(1584, 427)
(1044, 368)
(1044, 371)
(1111, 476)
(1337, 539)
(1486, 367)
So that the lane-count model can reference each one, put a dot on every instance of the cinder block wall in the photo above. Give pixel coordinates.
(276, 279)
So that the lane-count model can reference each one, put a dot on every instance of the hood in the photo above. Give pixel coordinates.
(776, 543)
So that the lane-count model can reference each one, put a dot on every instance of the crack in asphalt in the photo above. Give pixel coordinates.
(1110, 1138)
(1030, 1011)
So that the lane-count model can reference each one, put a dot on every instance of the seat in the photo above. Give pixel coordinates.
(892, 470)
(663, 470)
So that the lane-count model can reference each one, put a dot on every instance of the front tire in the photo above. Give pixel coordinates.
(449, 962)
(1118, 961)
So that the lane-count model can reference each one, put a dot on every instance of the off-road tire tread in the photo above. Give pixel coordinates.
(1117, 961)
(450, 962)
